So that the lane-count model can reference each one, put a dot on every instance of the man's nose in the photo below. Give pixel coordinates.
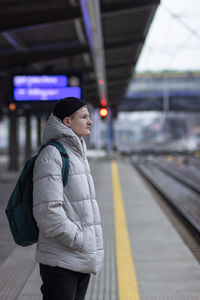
(90, 121)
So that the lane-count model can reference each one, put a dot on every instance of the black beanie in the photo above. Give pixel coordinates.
(67, 106)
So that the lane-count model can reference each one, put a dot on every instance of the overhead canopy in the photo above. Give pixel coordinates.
(51, 36)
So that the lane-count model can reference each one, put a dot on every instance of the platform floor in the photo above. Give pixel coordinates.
(145, 258)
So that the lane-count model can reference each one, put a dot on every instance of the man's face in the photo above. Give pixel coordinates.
(80, 122)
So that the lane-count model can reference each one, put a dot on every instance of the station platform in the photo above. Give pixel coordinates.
(145, 258)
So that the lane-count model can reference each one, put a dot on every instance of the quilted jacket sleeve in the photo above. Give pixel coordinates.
(48, 200)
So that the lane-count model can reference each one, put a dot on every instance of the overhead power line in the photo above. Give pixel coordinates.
(182, 22)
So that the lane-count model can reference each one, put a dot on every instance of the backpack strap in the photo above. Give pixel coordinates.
(65, 159)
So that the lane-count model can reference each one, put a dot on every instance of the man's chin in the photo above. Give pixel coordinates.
(88, 133)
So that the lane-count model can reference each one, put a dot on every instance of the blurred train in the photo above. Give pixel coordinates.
(152, 131)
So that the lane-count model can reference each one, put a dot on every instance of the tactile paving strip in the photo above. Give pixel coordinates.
(104, 285)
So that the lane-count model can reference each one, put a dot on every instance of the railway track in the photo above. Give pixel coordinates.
(181, 192)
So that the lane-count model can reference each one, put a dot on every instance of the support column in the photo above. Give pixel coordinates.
(28, 148)
(38, 131)
(109, 121)
(13, 143)
(166, 103)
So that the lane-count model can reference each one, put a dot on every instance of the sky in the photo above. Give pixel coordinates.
(173, 41)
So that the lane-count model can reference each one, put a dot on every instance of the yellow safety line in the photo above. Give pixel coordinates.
(127, 282)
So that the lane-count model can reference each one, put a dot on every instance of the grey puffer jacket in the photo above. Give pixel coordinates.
(68, 218)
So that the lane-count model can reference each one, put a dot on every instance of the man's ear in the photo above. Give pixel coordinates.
(66, 121)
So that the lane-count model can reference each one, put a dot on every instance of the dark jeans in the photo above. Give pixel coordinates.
(63, 284)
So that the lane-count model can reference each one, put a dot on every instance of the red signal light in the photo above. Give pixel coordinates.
(103, 112)
(103, 102)
(100, 81)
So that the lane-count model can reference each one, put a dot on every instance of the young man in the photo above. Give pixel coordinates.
(70, 244)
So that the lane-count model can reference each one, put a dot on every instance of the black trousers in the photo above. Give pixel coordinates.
(63, 284)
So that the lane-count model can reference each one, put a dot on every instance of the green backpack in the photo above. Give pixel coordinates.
(19, 210)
